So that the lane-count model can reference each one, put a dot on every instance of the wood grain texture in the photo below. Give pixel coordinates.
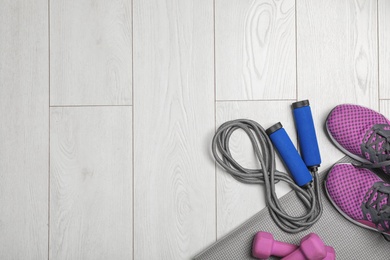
(384, 48)
(255, 49)
(24, 131)
(337, 60)
(385, 108)
(174, 123)
(91, 183)
(91, 52)
(236, 201)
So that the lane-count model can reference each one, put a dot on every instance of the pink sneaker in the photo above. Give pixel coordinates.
(360, 196)
(362, 134)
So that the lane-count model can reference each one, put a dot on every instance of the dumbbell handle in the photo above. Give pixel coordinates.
(312, 248)
(282, 249)
(298, 255)
(330, 255)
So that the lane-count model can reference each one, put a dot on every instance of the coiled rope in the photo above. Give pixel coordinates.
(267, 175)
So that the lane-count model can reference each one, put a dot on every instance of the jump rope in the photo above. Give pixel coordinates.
(304, 170)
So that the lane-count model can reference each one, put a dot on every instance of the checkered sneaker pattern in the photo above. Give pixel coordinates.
(359, 194)
(360, 132)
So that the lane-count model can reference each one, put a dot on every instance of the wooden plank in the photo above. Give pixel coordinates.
(174, 122)
(91, 52)
(337, 60)
(384, 48)
(91, 183)
(255, 49)
(385, 108)
(236, 201)
(24, 131)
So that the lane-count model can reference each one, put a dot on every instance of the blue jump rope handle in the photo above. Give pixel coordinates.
(306, 134)
(289, 154)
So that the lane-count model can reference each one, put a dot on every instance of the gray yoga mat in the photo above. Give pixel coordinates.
(350, 241)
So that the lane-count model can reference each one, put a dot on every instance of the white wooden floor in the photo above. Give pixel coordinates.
(107, 110)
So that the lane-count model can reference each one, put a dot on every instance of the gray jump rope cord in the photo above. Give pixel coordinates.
(267, 174)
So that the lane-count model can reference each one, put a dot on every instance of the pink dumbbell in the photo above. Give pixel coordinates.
(312, 248)
(330, 253)
(264, 246)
